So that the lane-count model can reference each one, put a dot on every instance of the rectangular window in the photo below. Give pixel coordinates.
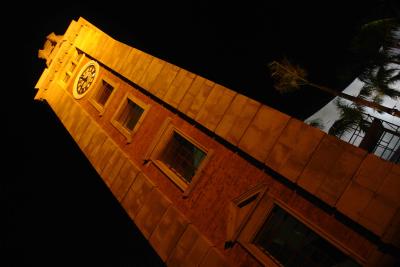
(78, 56)
(294, 244)
(72, 67)
(182, 157)
(129, 115)
(178, 156)
(66, 77)
(103, 93)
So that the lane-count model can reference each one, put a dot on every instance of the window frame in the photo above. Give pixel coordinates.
(164, 136)
(237, 221)
(259, 216)
(124, 131)
(114, 84)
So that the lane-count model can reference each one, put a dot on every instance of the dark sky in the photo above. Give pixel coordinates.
(57, 210)
(232, 44)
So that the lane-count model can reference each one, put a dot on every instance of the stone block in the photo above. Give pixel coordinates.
(105, 152)
(168, 232)
(214, 259)
(124, 180)
(354, 200)
(72, 116)
(57, 101)
(81, 127)
(107, 48)
(190, 250)
(294, 148)
(79, 115)
(113, 167)
(82, 34)
(392, 233)
(378, 215)
(151, 73)
(372, 172)
(151, 212)
(142, 62)
(129, 62)
(179, 87)
(215, 106)
(102, 40)
(53, 96)
(390, 188)
(95, 144)
(195, 96)
(89, 43)
(163, 81)
(331, 168)
(137, 195)
(200, 98)
(263, 132)
(119, 56)
(87, 134)
(237, 118)
(341, 174)
(65, 106)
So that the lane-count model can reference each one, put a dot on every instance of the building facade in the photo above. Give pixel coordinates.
(212, 177)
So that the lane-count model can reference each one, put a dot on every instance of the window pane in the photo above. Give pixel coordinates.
(294, 244)
(104, 93)
(66, 78)
(130, 115)
(72, 67)
(78, 55)
(182, 157)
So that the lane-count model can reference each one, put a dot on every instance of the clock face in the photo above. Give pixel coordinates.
(86, 77)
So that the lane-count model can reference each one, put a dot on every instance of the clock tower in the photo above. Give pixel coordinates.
(210, 176)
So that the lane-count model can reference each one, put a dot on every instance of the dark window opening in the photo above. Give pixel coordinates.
(72, 67)
(182, 157)
(248, 201)
(130, 115)
(293, 244)
(78, 56)
(103, 93)
(66, 78)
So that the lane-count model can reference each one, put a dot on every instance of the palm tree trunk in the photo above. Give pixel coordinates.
(354, 99)
(357, 100)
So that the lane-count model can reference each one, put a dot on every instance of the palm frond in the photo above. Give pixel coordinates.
(351, 117)
(380, 81)
(341, 126)
(317, 123)
(286, 76)
(366, 91)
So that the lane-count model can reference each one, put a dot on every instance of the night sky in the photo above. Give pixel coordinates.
(57, 211)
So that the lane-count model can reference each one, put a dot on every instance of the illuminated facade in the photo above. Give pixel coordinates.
(211, 177)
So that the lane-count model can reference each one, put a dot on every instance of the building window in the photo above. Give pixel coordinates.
(72, 67)
(77, 57)
(276, 237)
(179, 157)
(102, 94)
(66, 77)
(182, 157)
(129, 116)
(292, 243)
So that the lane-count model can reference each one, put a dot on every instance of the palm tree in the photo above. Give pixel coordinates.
(379, 76)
